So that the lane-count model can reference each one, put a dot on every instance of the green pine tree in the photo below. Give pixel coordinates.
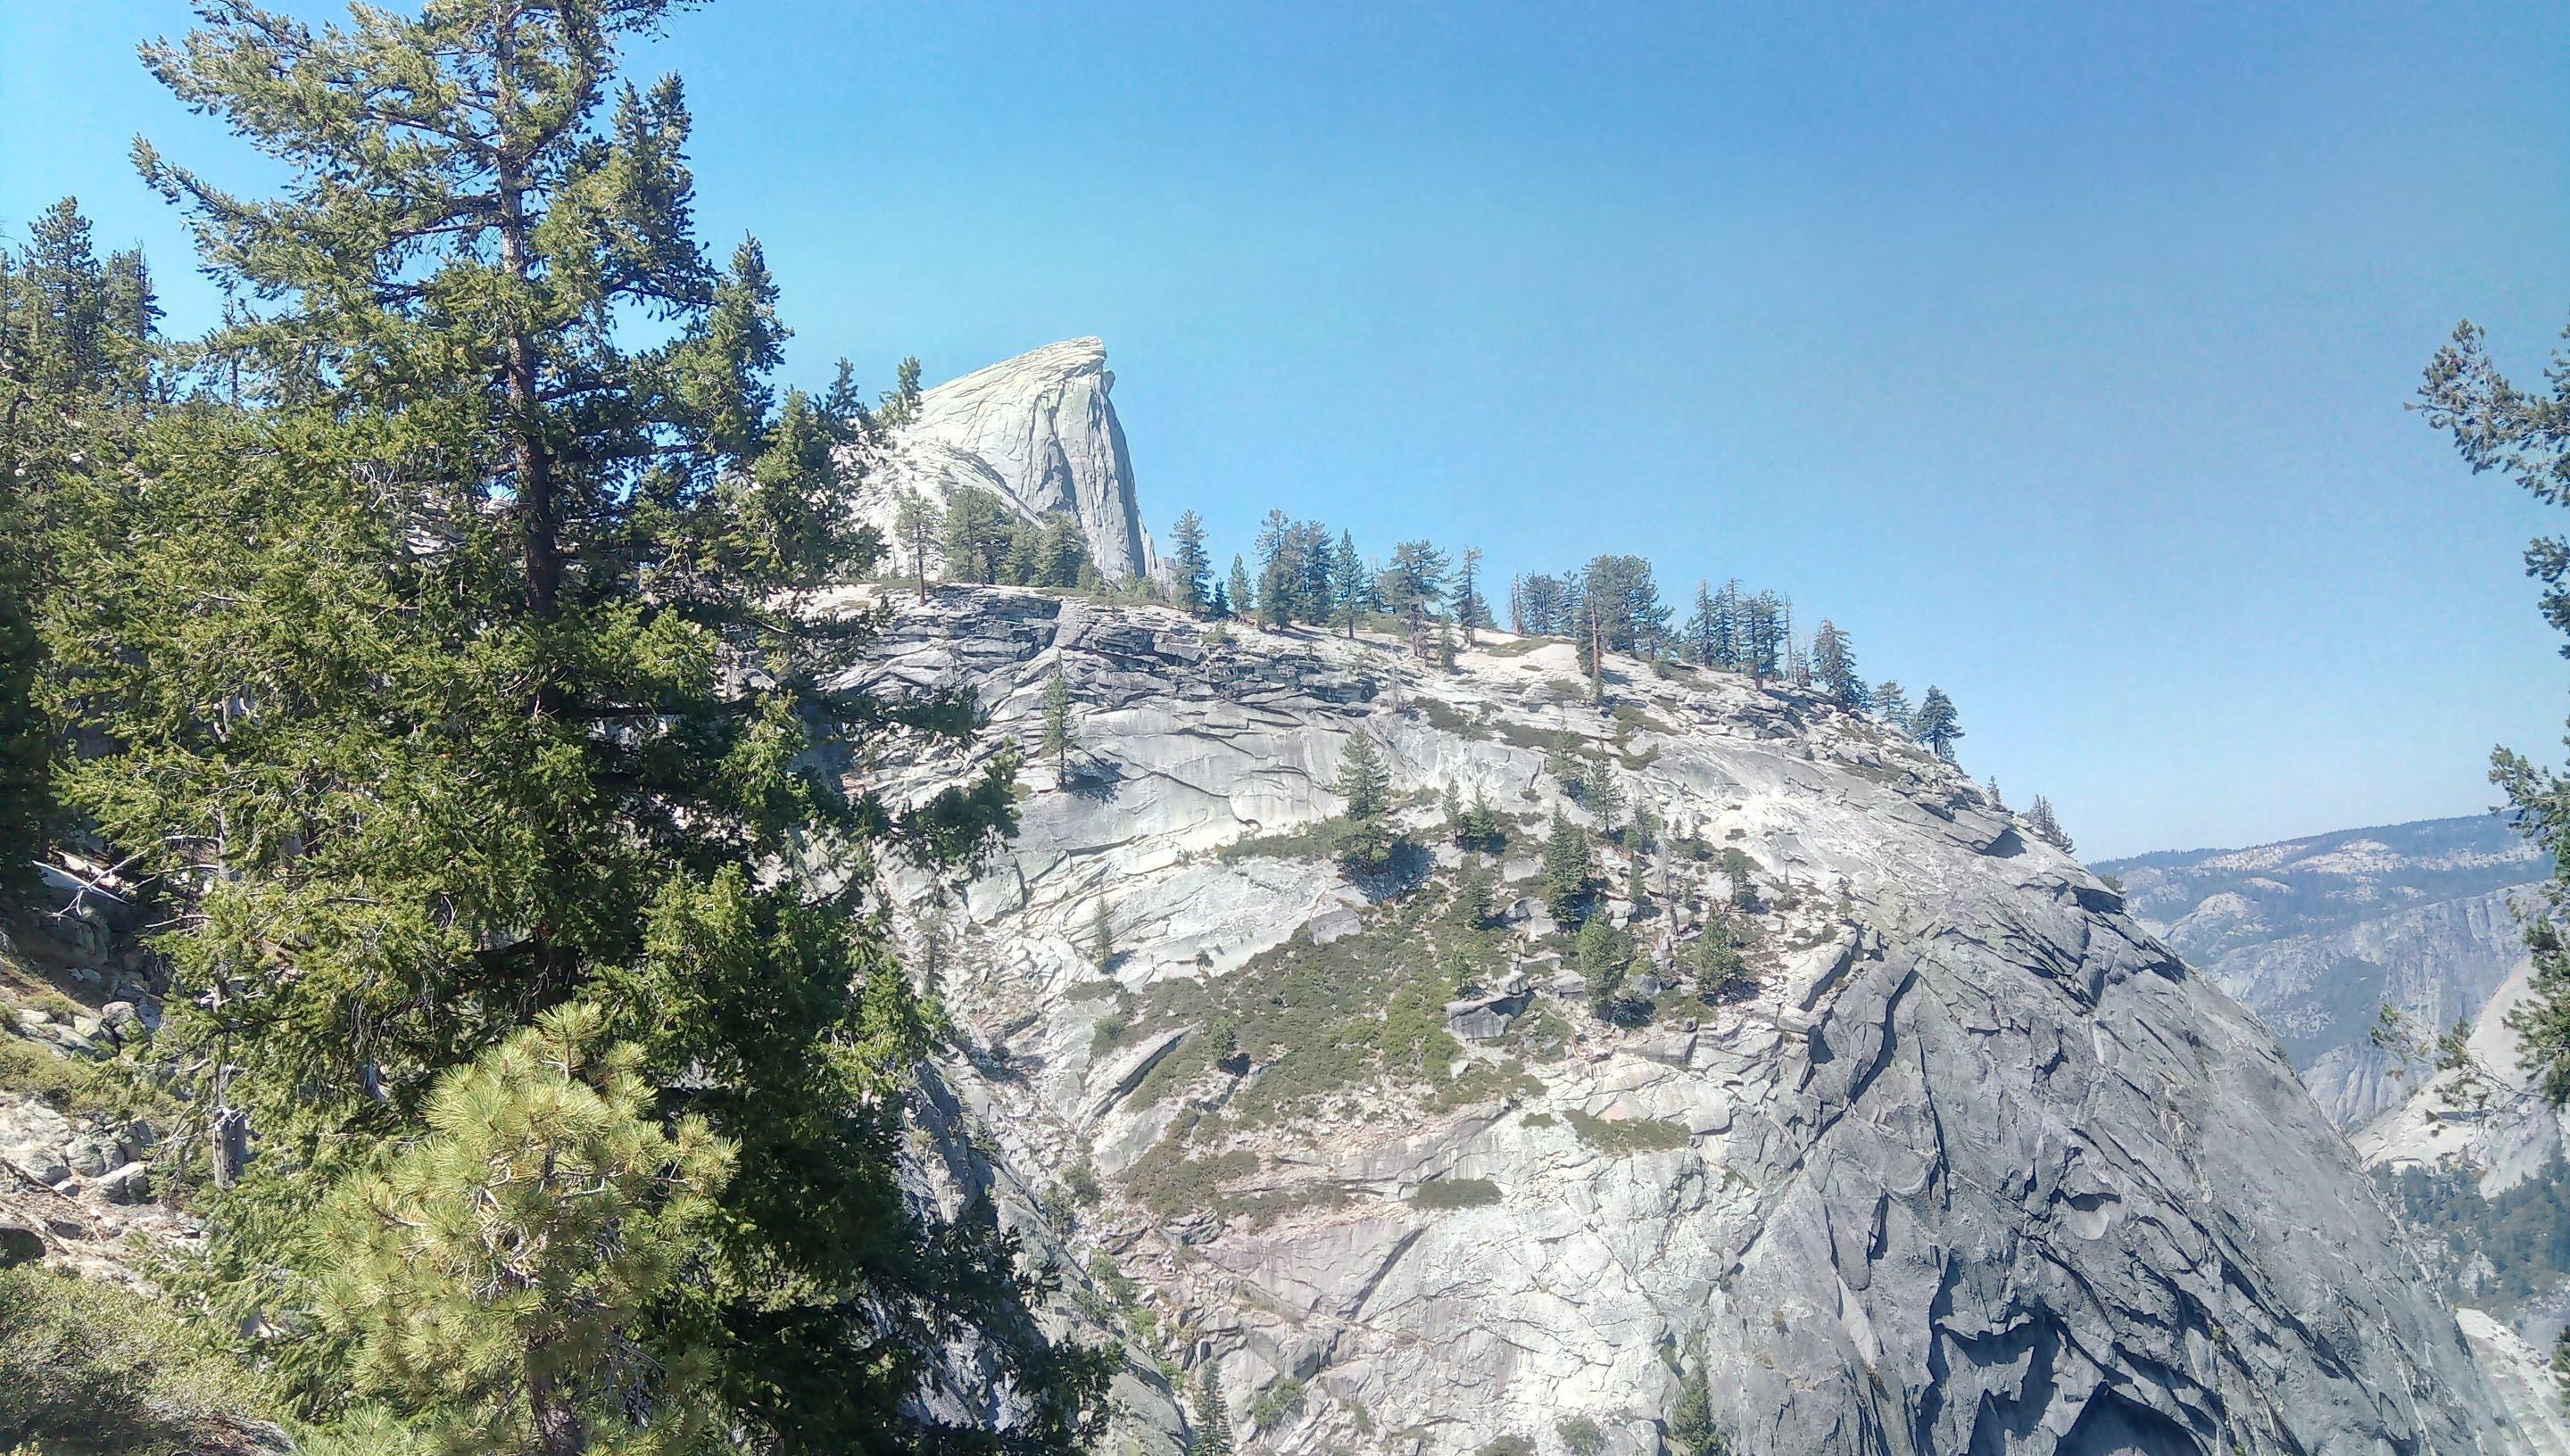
(473, 670)
(77, 382)
(2525, 435)
(1363, 780)
(1189, 566)
(1056, 721)
(1212, 1436)
(1241, 600)
(918, 525)
(498, 1280)
(1568, 873)
(1936, 725)
(1691, 1427)
(1353, 582)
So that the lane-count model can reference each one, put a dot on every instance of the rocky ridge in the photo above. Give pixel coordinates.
(1980, 1165)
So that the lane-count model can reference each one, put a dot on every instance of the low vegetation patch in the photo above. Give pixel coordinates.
(88, 1368)
(1456, 1193)
(1636, 1135)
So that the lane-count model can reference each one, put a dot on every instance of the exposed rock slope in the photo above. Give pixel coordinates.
(2316, 935)
(1980, 1167)
(1039, 432)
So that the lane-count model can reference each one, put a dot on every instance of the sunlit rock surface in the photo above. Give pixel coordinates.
(1980, 1167)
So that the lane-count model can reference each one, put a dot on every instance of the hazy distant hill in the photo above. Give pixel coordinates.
(2316, 935)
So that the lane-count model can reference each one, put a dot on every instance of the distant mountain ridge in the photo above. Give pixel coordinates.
(2316, 935)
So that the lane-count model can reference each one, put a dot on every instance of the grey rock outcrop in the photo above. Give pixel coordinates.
(1981, 1166)
(1039, 432)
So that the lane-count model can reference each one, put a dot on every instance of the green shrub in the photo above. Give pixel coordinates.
(1510, 1445)
(1276, 1402)
(1456, 1193)
(1638, 1135)
(1580, 1436)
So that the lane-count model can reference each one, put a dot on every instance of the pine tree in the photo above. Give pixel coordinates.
(77, 380)
(1891, 705)
(497, 1279)
(2046, 827)
(1720, 971)
(918, 524)
(1452, 801)
(1363, 780)
(1212, 1435)
(1470, 609)
(1568, 873)
(1355, 584)
(1604, 956)
(1691, 1427)
(901, 403)
(2521, 433)
(1834, 667)
(1056, 721)
(979, 528)
(1731, 628)
(1220, 609)
(1936, 724)
(1704, 631)
(1192, 568)
(517, 621)
(1414, 583)
(1275, 571)
(1242, 599)
(1102, 937)
(1481, 824)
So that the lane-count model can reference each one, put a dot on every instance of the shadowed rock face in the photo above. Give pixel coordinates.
(2316, 935)
(1980, 1166)
(1036, 431)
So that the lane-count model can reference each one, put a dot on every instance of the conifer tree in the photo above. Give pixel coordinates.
(1212, 1436)
(1704, 632)
(1568, 873)
(978, 527)
(1414, 583)
(497, 1279)
(1891, 704)
(1834, 667)
(1731, 628)
(1720, 971)
(2525, 435)
(77, 378)
(1220, 609)
(516, 619)
(1470, 609)
(1936, 724)
(1353, 582)
(900, 401)
(918, 523)
(1056, 721)
(1189, 566)
(1243, 599)
(1363, 780)
(1691, 1427)
(1604, 957)
(2046, 826)
(1102, 937)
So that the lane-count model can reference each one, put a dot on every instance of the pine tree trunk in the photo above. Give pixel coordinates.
(537, 510)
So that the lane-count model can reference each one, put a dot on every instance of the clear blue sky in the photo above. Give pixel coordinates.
(2057, 352)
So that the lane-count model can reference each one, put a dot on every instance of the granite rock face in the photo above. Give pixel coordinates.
(2316, 935)
(1036, 431)
(1980, 1166)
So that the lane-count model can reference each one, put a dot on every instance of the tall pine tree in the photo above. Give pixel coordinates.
(472, 674)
